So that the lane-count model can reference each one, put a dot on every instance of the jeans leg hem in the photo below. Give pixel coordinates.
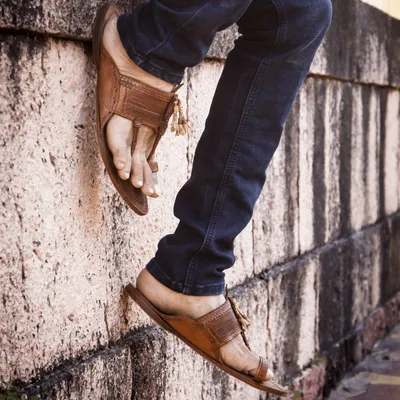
(208, 290)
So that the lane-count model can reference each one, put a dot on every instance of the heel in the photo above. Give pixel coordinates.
(103, 16)
(146, 306)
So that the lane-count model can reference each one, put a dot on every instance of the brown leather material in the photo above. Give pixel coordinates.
(221, 325)
(144, 105)
(207, 334)
(131, 99)
(108, 87)
(262, 370)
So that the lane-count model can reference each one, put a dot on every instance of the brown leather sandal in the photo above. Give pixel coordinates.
(131, 99)
(207, 334)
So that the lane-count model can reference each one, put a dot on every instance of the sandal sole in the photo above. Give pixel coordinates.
(129, 193)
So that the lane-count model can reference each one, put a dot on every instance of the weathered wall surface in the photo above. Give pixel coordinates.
(318, 268)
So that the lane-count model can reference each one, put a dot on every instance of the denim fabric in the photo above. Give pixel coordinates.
(260, 80)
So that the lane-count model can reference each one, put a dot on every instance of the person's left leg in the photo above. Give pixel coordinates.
(261, 78)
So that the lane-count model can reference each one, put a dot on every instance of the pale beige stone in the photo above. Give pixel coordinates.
(373, 158)
(306, 148)
(69, 243)
(332, 160)
(364, 188)
(308, 316)
(275, 218)
(357, 188)
(391, 153)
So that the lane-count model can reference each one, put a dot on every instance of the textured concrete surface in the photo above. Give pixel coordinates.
(108, 375)
(276, 214)
(64, 261)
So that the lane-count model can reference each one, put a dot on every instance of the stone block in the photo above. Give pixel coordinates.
(364, 58)
(165, 367)
(391, 258)
(365, 272)
(319, 163)
(365, 157)
(341, 358)
(69, 243)
(66, 19)
(106, 375)
(390, 151)
(348, 285)
(339, 153)
(393, 44)
(292, 316)
(275, 220)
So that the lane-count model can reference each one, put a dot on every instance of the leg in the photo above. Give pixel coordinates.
(259, 83)
(157, 52)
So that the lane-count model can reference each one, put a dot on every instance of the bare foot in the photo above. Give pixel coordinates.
(234, 354)
(120, 130)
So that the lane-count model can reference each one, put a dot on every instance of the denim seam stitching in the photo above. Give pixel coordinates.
(232, 158)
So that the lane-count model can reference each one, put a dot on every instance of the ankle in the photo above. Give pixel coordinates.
(173, 302)
(112, 43)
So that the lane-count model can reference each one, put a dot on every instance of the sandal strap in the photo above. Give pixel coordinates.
(225, 323)
(220, 325)
(261, 371)
(144, 105)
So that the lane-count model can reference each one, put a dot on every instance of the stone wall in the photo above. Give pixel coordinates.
(318, 268)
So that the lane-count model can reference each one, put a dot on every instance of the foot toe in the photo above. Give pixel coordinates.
(148, 185)
(125, 171)
(119, 135)
(137, 179)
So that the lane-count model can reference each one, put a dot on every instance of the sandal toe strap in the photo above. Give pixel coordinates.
(261, 372)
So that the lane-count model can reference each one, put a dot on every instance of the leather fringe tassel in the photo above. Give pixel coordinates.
(179, 123)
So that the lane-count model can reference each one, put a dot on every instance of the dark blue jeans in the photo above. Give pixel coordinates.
(260, 80)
